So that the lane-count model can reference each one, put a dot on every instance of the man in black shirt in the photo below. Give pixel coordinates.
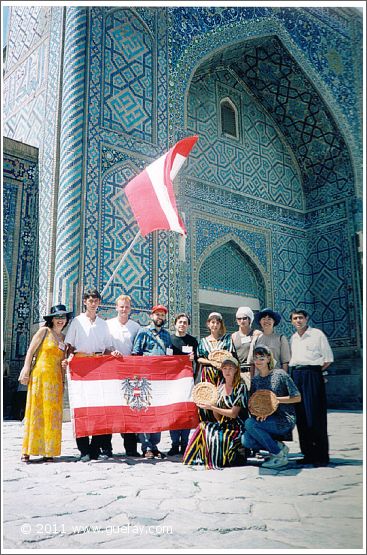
(182, 344)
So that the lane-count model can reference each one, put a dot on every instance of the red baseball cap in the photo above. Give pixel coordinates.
(159, 308)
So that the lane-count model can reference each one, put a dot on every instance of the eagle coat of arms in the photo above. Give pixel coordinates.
(137, 393)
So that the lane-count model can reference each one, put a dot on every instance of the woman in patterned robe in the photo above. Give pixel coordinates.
(216, 444)
(217, 340)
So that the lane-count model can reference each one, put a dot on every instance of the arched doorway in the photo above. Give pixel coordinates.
(239, 283)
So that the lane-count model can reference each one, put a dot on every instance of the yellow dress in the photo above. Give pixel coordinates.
(43, 414)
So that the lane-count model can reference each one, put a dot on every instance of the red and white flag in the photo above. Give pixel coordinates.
(151, 194)
(131, 394)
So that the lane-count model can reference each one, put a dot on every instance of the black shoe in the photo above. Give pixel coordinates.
(132, 454)
(158, 454)
(316, 464)
(239, 460)
(305, 460)
(245, 452)
(173, 451)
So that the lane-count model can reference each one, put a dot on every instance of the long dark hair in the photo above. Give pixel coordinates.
(49, 324)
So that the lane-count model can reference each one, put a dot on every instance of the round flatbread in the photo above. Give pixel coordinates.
(205, 393)
(263, 403)
(219, 355)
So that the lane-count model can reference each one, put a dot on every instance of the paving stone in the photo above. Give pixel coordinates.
(85, 506)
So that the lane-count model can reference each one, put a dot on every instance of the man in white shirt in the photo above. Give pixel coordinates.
(310, 356)
(123, 332)
(88, 334)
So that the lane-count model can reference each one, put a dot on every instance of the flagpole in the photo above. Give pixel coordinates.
(120, 263)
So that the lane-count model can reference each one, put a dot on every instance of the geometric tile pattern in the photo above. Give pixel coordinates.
(49, 165)
(25, 74)
(323, 37)
(111, 143)
(331, 285)
(31, 96)
(256, 164)
(283, 193)
(249, 245)
(128, 79)
(281, 87)
(240, 276)
(28, 26)
(308, 116)
(20, 215)
(67, 264)
(118, 230)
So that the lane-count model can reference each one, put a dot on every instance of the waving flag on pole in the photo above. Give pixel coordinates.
(151, 194)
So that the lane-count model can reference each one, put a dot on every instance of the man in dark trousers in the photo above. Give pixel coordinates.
(88, 335)
(153, 340)
(311, 355)
(182, 344)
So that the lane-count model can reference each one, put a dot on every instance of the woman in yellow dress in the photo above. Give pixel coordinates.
(43, 413)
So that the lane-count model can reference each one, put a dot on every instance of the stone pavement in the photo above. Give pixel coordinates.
(128, 503)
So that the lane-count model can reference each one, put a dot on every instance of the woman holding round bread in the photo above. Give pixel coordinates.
(261, 431)
(216, 444)
(217, 340)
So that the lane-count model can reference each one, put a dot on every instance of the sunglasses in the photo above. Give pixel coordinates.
(261, 357)
(243, 318)
(60, 316)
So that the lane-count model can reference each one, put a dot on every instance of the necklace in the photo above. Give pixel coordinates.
(57, 336)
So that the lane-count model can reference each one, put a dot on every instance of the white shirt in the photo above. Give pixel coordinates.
(123, 335)
(88, 337)
(312, 348)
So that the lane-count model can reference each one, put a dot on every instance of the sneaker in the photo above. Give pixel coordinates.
(84, 458)
(173, 451)
(284, 449)
(102, 457)
(275, 462)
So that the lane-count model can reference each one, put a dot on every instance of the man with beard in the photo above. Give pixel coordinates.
(153, 340)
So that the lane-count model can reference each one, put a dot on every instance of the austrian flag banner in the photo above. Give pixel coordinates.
(151, 195)
(131, 394)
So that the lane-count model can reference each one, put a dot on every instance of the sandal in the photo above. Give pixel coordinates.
(24, 458)
(148, 455)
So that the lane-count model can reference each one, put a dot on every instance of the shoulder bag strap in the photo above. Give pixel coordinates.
(34, 358)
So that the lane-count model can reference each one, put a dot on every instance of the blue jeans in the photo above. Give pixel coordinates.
(150, 441)
(258, 434)
(176, 435)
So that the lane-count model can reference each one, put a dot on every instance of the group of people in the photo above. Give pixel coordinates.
(254, 359)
